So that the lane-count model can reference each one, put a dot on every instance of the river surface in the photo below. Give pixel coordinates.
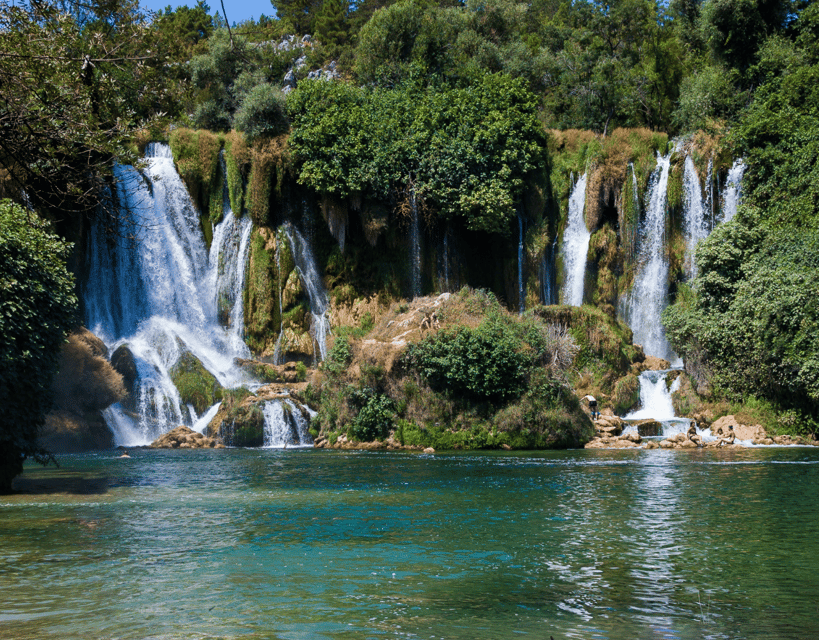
(324, 544)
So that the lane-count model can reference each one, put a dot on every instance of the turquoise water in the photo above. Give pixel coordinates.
(324, 544)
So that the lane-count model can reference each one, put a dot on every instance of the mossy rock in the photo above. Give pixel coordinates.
(196, 385)
(243, 427)
(626, 394)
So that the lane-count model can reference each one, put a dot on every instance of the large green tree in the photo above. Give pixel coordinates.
(37, 309)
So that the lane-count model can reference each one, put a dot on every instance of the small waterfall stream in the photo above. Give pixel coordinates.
(415, 246)
(317, 296)
(649, 295)
(732, 194)
(285, 426)
(694, 214)
(575, 246)
(521, 288)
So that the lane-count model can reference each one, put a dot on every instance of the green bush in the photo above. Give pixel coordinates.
(485, 363)
(375, 417)
(263, 112)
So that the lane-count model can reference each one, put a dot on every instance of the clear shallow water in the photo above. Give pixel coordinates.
(322, 544)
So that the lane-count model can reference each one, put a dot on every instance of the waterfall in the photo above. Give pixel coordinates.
(575, 245)
(656, 404)
(154, 287)
(521, 292)
(415, 246)
(696, 223)
(316, 295)
(732, 195)
(285, 425)
(227, 262)
(649, 296)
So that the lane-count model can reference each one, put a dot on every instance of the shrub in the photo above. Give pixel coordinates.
(486, 363)
(374, 419)
(263, 112)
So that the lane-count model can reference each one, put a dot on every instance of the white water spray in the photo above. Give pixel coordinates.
(316, 294)
(649, 295)
(153, 290)
(575, 246)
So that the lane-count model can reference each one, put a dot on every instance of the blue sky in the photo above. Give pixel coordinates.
(237, 10)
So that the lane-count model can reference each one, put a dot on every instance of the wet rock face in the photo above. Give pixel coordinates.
(123, 362)
(185, 438)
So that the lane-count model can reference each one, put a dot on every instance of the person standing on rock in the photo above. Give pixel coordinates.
(692, 434)
(592, 407)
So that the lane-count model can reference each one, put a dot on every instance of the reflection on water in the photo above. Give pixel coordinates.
(321, 544)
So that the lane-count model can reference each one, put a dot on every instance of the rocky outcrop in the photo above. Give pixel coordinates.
(185, 438)
(289, 372)
(84, 385)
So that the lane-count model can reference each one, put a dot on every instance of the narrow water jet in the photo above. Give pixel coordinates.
(694, 214)
(575, 246)
(316, 294)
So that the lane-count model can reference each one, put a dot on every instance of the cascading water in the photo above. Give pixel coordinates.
(277, 351)
(694, 214)
(575, 246)
(285, 426)
(732, 195)
(317, 296)
(656, 404)
(649, 296)
(155, 290)
(521, 292)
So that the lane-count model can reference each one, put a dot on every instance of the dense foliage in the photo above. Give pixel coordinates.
(37, 309)
(464, 152)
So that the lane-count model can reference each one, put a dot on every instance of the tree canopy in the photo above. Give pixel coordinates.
(37, 309)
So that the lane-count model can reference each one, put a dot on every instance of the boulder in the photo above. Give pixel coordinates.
(648, 428)
(741, 431)
(84, 385)
(185, 438)
(651, 445)
(667, 444)
(196, 385)
(124, 363)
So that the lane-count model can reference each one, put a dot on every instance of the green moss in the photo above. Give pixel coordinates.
(261, 300)
(244, 427)
(196, 385)
(196, 155)
(626, 394)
